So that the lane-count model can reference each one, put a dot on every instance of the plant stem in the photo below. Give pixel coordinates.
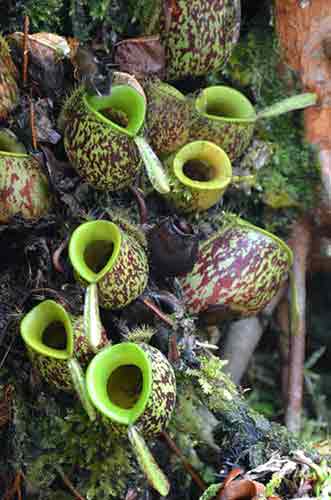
(33, 124)
(300, 243)
(26, 50)
(157, 312)
(141, 204)
(187, 466)
(57, 256)
(68, 483)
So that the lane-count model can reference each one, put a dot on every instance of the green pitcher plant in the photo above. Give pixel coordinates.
(24, 188)
(168, 117)
(102, 253)
(103, 138)
(58, 348)
(198, 36)
(199, 173)
(133, 387)
(225, 116)
(9, 93)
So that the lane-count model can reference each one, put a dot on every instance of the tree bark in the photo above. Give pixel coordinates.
(304, 30)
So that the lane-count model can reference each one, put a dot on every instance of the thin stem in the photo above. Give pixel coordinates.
(15, 489)
(300, 243)
(26, 49)
(141, 204)
(187, 466)
(173, 354)
(68, 483)
(57, 256)
(33, 124)
(157, 312)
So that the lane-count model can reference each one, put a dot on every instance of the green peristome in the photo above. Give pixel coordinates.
(9, 94)
(104, 152)
(52, 362)
(226, 117)
(148, 465)
(124, 274)
(241, 267)
(233, 126)
(198, 36)
(189, 195)
(151, 406)
(168, 117)
(24, 188)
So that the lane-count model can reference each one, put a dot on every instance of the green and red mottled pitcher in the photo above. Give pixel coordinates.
(9, 93)
(239, 270)
(168, 117)
(102, 141)
(198, 35)
(53, 337)
(24, 188)
(134, 387)
(102, 253)
(225, 116)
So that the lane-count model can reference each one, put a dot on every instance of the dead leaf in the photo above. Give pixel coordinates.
(242, 489)
(144, 56)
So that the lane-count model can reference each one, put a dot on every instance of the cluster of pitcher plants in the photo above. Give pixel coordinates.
(186, 146)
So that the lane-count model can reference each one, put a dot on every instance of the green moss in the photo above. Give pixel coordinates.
(49, 438)
(45, 15)
(215, 387)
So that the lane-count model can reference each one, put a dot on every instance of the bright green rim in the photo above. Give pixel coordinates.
(219, 94)
(83, 236)
(99, 371)
(123, 98)
(205, 151)
(34, 323)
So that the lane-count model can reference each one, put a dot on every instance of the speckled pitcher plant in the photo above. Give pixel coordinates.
(199, 173)
(168, 117)
(226, 117)
(24, 188)
(59, 349)
(134, 388)
(239, 270)
(102, 139)
(198, 35)
(102, 253)
(9, 93)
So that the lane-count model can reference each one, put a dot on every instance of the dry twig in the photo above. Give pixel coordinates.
(26, 50)
(187, 466)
